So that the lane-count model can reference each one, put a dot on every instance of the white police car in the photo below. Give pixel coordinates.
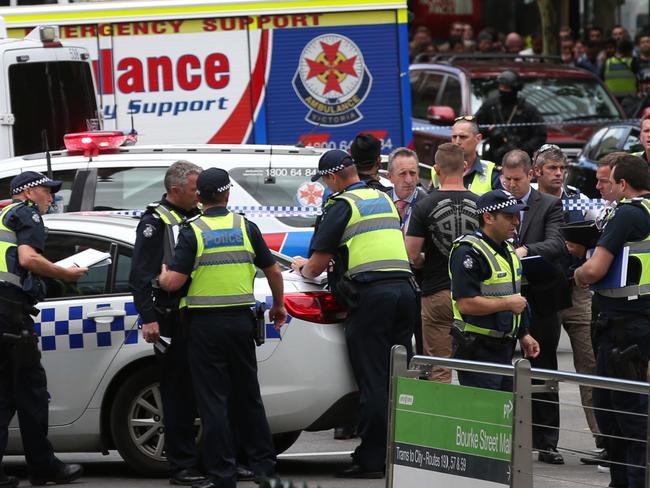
(102, 375)
(271, 184)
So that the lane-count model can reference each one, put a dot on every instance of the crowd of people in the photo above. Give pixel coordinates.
(467, 242)
(621, 61)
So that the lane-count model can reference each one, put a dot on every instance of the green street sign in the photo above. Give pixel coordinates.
(445, 431)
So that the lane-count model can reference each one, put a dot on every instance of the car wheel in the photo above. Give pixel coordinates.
(285, 440)
(137, 423)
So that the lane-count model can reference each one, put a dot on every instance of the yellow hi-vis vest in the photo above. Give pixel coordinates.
(481, 183)
(619, 77)
(639, 254)
(7, 241)
(170, 218)
(223, 269)
(500, 284)
(373, 236)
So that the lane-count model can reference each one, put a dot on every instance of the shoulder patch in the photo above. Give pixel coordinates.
(468, 262)
(36, 217)
(148, 230)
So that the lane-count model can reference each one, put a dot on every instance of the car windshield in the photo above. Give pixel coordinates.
(557, 99)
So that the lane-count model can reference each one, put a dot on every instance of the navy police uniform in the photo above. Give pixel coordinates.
(152, 248)
(224, 370)
(23, 383)
(382, 309)
(468, 268)
(623, 331)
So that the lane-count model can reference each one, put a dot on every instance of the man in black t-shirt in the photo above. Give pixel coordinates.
(436, 221)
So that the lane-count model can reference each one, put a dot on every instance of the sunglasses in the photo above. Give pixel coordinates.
(467, 118)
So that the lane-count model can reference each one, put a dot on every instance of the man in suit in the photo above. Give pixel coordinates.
(403, 172)
(539, 235)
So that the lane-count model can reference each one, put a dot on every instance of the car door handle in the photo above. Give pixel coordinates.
(106, 315)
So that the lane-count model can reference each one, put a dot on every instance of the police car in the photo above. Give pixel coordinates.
(102, 375)
(271, 184)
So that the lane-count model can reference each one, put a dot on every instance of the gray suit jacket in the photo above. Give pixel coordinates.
(540, 230)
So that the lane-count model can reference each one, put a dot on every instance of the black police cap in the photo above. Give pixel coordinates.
(32, 179)
(332, 162)
(213, 180)
(499, 201)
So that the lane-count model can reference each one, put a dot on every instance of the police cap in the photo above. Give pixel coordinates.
(31, 179)
(332, 162)
(213, 180)
(499, 201)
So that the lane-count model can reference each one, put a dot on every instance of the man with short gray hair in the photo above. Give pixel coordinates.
(158, 310)
(550, 165)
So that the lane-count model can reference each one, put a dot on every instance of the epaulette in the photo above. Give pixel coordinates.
(153, 205)
(498, 167)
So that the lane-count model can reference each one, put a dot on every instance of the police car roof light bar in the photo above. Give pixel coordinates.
(92, 143)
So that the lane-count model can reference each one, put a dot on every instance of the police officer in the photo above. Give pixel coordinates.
(509, 108)
(360, 232)
(623, 324)
(489, 311)
(220, 251)
(154, 245)
(23, 385)
(481, 175)
(366, 154)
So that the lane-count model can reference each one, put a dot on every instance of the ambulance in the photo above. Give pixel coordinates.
(46, 91)
(293, 72)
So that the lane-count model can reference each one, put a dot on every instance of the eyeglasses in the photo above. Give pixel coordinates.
(545, 148)
(466, 118)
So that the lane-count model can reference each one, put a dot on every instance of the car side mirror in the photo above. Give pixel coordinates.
(441, 114)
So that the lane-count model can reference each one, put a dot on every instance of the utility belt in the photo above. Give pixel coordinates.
(347, 289)
(626, 361)
(21, 337)
(466, 342)
(17, 310)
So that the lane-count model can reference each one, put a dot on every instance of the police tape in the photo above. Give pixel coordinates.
(289, 211)
(600, 121)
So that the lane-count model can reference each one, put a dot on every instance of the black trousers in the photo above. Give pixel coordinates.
(489, 351)
(23, 391)
(385, 316)
(179, 406)
(224, 371)
(619, 427)
(545, 406)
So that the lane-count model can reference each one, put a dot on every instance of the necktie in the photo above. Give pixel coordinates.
(401, 207)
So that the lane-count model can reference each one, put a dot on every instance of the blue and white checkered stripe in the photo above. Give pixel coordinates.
(290, 211)
(584, 204)
(72, 331)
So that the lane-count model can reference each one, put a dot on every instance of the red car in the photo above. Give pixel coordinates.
(573, 102)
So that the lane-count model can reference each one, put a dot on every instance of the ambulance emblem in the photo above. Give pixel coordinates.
(310, 194)
(332, 80)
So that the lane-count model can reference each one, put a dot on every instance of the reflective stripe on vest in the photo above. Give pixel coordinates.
(7, 241)
(481, 183)
(639, 251)
(500, 284)
(372, 235)
(223, 271)
(619, 77)
(168, 216)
